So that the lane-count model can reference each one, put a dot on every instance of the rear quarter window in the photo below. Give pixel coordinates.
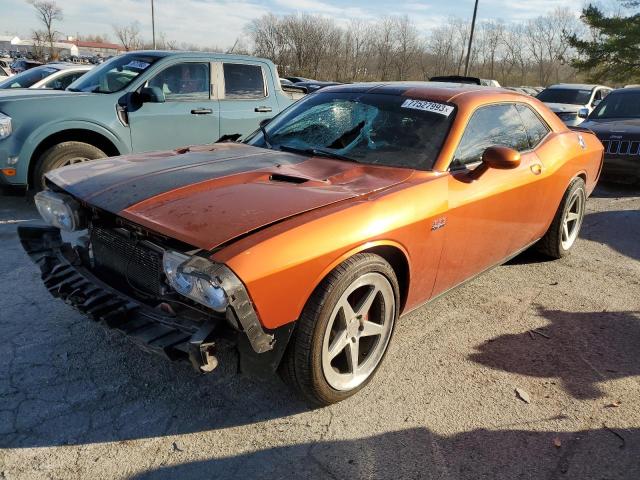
(536, 128)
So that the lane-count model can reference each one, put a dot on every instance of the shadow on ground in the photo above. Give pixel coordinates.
(418, 453)
(619, 229)
(582, 350)
(68, 381)
(609, 189)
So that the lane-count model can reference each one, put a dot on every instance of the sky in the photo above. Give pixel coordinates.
(220, 22)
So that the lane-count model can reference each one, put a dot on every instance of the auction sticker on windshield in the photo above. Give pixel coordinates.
(426, 106)
(137, 64)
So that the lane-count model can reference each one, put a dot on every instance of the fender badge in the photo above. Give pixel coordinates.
(582, 143)
(438, 223)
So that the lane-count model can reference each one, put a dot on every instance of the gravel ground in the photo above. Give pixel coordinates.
(79, 402)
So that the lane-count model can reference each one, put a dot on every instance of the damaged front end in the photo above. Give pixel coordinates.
(130, 281)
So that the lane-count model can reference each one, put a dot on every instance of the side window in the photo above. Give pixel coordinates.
(597, 96)
(536, 128)
(63, 81)
(243, 81)
(490, 126)
(183, 82)
(605, 93)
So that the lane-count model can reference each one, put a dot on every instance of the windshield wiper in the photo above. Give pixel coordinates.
(318, 152)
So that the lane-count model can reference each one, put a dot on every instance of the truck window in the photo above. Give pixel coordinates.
(183, 82)
(243, 81)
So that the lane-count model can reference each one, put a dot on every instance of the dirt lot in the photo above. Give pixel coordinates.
(79, 402)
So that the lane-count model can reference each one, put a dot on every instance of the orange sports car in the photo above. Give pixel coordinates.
(308, 240)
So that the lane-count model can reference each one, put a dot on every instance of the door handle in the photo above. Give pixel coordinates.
(201, 111)
(262, 109)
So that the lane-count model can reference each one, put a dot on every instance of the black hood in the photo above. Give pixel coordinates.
(615, 126)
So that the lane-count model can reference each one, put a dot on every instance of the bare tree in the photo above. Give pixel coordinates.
(406, 46)
(547, 42)
(47, 12)
(129, 36)
(392, 48)
(383, 44)
(104, 38)
(39, 42)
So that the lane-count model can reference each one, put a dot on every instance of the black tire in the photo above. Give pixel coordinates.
(301, 367)
(60, 155)
(551, 244)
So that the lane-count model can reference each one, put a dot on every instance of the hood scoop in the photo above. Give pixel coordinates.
(279, 177)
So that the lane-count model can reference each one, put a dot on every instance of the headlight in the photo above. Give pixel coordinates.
(5, 126)
(60, 210)
(195, 278)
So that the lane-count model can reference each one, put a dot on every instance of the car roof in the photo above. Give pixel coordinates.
(441, 91)
(67, 66)
(576, 86)
(625, 90)
(191, 54)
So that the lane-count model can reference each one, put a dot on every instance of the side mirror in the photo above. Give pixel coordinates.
(501, 157)
(152, 95)
(583, 113)
(264, 122)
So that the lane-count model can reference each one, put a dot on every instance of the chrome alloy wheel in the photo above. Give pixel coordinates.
(358, 331)
(573, 218)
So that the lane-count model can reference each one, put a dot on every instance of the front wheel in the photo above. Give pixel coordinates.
(565, 227)
(62, 155)
(344, 331)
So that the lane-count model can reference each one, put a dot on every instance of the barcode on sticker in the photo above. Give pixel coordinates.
(426, 106)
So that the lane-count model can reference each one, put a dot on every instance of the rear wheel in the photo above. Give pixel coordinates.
(62, 155)
(344, 331)
(565, 228)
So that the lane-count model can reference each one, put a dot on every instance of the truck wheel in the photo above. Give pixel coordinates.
(344, 331)
(564, 229)
(61, 155)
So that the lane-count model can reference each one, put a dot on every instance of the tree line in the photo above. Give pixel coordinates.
(551, 48)
(393, 48)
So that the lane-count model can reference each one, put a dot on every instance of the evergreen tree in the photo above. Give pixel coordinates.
(613, 51)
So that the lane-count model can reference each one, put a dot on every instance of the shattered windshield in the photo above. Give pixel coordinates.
(114, 74)
(379, 129)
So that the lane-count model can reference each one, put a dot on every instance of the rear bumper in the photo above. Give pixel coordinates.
(65, 277)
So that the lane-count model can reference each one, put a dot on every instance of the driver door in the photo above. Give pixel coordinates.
(492, 212)
(188, 116)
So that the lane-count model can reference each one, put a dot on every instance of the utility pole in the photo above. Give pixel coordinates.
(153, 25)
(473, 26)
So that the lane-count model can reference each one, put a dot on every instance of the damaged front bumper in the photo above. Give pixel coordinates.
(66, 276)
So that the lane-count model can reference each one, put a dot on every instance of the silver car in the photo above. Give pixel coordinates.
(56, 76)
(573, 102)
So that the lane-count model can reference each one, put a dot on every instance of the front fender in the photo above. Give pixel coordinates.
(44, 131)
(350, 253)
